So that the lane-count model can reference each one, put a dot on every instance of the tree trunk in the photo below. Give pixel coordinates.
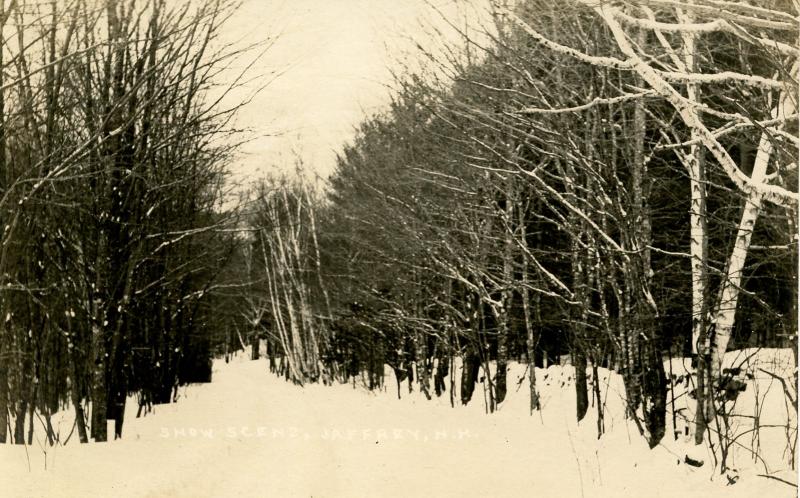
(256, 346)
(80, 417)
(578, 318)
(507, 294)
(99, 394)
(410, 374)
(421, 360)
(701, 415)
(119, 416)
(469, 374)
(598, 400)
(725, 311)
(532, 338)
(3, 393)
(442, 369)
(581, 387)
(653, 378)
(452, 360)
(24, 399)
(654, 390)
(31, 411)
(502, 358)
(19, 423)
(698, 243)
(399, 376)
(51, 434)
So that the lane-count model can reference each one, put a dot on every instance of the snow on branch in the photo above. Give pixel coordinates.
(688, 112)
(718, 25)
(611, 62)
(720, 9)
(732, 127)
(696, 27)
(723, 77)
(751, 9)
(659, 82)
(615, 63)
(593, 103)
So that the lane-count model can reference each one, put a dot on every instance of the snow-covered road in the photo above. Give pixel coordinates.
(251, 434)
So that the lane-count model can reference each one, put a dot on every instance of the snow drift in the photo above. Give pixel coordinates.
(250, 433)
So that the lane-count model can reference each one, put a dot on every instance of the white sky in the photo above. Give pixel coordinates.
(334, 58)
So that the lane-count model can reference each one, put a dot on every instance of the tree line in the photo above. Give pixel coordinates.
(113, 151)
(612, 182)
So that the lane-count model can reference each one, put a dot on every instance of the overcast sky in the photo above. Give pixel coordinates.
(334, 58)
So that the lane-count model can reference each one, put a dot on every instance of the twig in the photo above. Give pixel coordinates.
(786, 390)
(74, 423)
(777, 479)
(577, 460)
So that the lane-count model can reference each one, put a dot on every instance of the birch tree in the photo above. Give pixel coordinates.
(673, 76)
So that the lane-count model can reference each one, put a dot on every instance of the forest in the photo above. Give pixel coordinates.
(616, 185)
(609, 185)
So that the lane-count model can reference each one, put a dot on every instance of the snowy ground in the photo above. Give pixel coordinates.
(251, 434)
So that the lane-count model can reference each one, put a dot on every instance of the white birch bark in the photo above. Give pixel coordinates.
(725, 310)
(688, 110)
(698, 237)
(274, 298)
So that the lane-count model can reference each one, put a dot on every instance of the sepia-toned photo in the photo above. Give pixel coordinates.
(399, 248)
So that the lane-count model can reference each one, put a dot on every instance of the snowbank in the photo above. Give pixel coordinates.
(251, 434)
